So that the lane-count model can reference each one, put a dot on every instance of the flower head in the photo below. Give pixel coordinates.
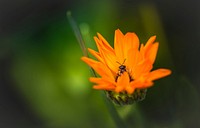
(125, 70)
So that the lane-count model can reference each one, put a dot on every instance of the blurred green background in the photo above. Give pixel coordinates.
(44, 84)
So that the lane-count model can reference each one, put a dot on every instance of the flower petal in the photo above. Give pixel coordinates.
(130, 89)
(134, 57)
(89, 61)
(141, 83)
(102, 84)
(131, 41)
(142, 68)
(150, 49)
(149, 43)
(152, 52)
(96, 80)
(159, 73)
(105, 44)
(98, 43)
(122, 82)
(104, 87)
(118, 45)
(110, 60)
(99, 67)
(101, 80)
(96, 54)
(107, 55)
(102, 45)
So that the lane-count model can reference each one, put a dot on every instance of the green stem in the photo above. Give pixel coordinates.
(79, 37)
(115, 116)
(118, 121)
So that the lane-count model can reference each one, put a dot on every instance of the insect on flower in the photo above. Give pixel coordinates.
(121, 70)
(126, 82)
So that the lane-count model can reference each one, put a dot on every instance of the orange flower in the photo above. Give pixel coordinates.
(127, 66)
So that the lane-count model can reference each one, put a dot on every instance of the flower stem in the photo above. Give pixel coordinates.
(118, 121)
(115, 116)
(79, 37)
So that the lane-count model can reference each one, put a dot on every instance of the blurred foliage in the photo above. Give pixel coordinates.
(49, 76)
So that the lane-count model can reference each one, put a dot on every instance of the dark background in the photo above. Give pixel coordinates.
(32, 29)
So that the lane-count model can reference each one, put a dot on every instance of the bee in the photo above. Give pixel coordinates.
(121, 70)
